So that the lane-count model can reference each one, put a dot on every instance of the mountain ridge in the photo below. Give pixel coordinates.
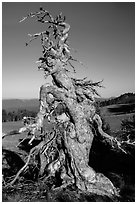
(126, 98)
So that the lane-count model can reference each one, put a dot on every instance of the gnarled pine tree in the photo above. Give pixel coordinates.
(65, 150)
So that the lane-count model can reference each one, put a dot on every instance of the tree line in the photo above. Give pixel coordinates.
(16, 115)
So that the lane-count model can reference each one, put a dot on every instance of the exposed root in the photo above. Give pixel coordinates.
(22, 141)
(40, 148)
(20, 171)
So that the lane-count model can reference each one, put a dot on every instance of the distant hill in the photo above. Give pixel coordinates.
(127, 98)
(15, 104)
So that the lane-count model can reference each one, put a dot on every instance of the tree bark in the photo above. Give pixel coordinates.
(78, 135)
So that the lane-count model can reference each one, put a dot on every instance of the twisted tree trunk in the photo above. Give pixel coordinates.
(78, 134)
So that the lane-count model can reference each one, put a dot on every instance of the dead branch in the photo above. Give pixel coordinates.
(108, 137)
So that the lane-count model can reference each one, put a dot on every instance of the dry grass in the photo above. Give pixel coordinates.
(115, 120)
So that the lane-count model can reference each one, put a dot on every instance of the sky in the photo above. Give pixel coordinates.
(102, 36)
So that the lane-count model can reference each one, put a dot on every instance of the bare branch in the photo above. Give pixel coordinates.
(113, 140)
(37, 14)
